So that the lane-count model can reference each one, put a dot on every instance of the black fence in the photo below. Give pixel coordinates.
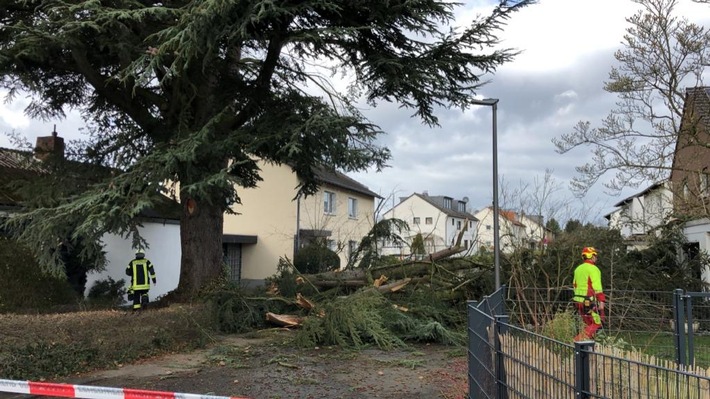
(509, 359)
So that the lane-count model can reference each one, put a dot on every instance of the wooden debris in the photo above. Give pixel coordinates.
(284, 320)
(303, 302)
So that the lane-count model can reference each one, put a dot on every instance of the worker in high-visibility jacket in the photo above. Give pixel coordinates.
(588, 294)
(141, 271)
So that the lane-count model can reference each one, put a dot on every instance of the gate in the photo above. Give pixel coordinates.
(485, 367)
(687, 318)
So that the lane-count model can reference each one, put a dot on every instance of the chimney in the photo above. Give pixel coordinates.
(50, 146)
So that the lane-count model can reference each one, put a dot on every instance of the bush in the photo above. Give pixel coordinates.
(107, 292)
(316, 258)
(24, 287)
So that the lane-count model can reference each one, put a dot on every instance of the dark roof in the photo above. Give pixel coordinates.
(339, 179)
(642, 193)
(17, 165)
(438, 202)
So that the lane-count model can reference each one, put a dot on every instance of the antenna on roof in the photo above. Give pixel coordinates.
(54, 132)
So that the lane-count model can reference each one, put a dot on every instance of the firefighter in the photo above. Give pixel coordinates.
(588, 294)
(141, 271)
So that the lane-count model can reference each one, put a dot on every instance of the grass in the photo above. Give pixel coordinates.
(662, 345)
(34, 347)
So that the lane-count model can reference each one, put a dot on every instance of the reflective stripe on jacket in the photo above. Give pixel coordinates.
(141, 271)
(588, 283)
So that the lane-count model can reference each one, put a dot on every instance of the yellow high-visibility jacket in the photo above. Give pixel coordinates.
(588, 283)
(141, 272)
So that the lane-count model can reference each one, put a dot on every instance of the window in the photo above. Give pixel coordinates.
(462, 206)
(488, 227)
(686, 190)
(352, 207)
(447, 203)
(458, 225)
(452, 222)
(417, 220)
(428, 220)
(704, 183)
(465, 244)
(328, 202)
(352, 250)
(331, 245)
(470, 225)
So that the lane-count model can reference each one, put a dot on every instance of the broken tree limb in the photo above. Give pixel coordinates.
(284, 320)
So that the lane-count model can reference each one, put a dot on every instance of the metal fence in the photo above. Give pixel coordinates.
(509, 361)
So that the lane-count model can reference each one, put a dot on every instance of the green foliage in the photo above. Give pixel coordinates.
(39, 347)
(198, 92)
(236, 309)
(24, 287)
(352, 321)
(418, 245)
(387, 230)
(316, 258)
(107, 292)
(563, 326)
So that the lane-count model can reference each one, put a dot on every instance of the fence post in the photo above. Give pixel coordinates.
(470, 305)
(679, 321)
(501, 380)
(581, 368)
(688, 329)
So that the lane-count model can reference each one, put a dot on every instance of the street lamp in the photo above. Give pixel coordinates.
(493, 103)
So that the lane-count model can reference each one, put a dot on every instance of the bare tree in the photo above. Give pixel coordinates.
(661, 54)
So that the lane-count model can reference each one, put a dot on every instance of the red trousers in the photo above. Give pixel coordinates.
(592, 320)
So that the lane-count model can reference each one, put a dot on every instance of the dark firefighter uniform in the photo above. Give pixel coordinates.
(141, 271)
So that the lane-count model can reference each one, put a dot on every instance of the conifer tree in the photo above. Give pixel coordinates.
(195, 92)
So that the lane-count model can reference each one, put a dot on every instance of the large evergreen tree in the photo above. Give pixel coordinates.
(194, 92)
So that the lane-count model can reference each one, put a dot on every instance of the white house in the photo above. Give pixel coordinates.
(516, 230)
(439, 220)
(640, 215)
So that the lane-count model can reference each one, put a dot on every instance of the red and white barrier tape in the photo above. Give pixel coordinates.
(89, 392)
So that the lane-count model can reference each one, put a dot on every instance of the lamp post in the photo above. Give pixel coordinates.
(493, 103)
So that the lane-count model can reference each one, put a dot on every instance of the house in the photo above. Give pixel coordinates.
(160, 231)
(439, 220)
(640, 215)
(273, 222)
(516, 230)
(690, 175)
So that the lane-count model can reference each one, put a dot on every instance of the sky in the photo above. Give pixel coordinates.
(567, 52)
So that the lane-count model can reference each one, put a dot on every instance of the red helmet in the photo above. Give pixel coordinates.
(588, 252)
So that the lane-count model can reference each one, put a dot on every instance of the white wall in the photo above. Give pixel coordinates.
(699, 231)
(164, 252)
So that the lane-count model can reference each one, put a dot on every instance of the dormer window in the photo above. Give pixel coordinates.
(448, 203)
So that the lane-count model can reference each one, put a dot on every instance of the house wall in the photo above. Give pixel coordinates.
(440, 234)
(270, 211)
(699, 231)
(345, 231)
(164, 252)
(509, 233)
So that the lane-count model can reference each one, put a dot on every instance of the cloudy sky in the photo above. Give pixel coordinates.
(557, 81)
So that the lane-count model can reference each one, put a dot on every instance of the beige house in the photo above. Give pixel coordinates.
(271, 222)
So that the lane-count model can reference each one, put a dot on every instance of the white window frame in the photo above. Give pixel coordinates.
(352, 208)
(328, 202)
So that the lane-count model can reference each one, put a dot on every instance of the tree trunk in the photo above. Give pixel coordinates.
(201, 228)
